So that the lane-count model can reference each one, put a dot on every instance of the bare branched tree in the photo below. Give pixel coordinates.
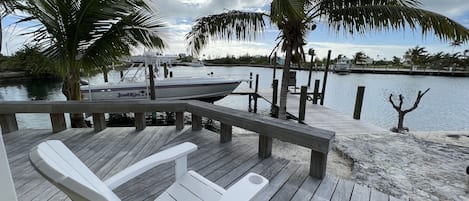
(402, 112)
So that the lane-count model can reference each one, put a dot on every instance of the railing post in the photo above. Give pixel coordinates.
(140, 121)
(303, 96)
(316, 91)
(265, 146)
(99, 122)
(196, 122)
(317, 165)
(225, 132)
(8, 123)
(179, 120)
(250, 80)
(359, 102)
(58, 122)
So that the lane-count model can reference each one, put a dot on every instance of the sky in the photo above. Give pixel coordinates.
(179, 16)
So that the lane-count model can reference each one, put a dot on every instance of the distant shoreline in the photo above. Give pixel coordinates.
(362, 70)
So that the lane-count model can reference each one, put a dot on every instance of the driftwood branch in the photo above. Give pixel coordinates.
(417, 101)
(393, 104)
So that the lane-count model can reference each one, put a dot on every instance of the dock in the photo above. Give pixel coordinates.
(113, 149)
(322, 117)
(221, 157)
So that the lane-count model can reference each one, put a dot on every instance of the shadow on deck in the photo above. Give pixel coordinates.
(113, 149)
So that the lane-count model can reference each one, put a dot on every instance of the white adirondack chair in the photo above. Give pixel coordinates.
(61, 167)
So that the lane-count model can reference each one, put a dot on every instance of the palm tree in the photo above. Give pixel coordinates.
(83, 35)
(295, 18)
(360, 58)
(416, 56)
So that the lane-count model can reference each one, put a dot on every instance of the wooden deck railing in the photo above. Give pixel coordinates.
(318, 140)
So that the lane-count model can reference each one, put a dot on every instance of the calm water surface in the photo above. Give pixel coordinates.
(444, 107)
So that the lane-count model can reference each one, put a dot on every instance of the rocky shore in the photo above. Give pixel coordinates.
(414, 166)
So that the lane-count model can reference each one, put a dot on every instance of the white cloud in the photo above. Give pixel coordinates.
(450, 8)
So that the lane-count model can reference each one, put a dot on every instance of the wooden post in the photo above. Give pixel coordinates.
(170, 73)
(105, 74)
(8, 123)
(250, 80)
(58, 122)
(256, 90)
(225, 132)
(317, 165)
(275, 66)
(324, 82)
(303, 96)
(273, 108)
(121, 74)
(140, 122)
(179, 120)
(99, 122)
(152, 82)
(316, 91)
(165, 70)
(265, 146)
(310, 68)
(359, 102)
(196, 122)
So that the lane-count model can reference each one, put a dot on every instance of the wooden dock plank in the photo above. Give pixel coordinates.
(307, 189)
(378, 196)
(343, 191)
(360, 193)
(326, 188)
(113, 149)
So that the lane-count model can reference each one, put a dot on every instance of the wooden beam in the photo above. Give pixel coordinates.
(8, 123)
(317, 165)
(140, 121)
(58, 122)
(226, 132)
(196, 122)
(179, 120)
(99, 122)
(265, 146)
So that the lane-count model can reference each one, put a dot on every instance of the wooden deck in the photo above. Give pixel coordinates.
(113, 149)
(322, 117)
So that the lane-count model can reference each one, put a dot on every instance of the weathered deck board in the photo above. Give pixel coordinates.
(113, 149)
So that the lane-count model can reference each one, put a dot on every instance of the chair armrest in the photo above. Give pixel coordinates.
(171, 154)
(246, 188)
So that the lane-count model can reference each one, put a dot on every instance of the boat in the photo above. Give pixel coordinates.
(205, 89)
(343, 66)
(194, 63)
(182, 88)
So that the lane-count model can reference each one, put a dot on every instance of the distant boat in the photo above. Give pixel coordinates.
(195, 63)
(343, 66)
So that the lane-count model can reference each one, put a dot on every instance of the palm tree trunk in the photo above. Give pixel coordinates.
(282, 113)
(77, 120)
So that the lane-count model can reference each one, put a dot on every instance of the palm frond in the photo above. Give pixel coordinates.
(229, 25)
(361, 18)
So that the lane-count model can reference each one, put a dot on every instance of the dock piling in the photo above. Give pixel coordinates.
(359, 102)
(273, 108)
(316, 95)
(99, 122)
(265, 146)
(256, 90)
(58, 122)
(140, 121)
(324, 81)
(302, 111)
(179, 120)
(226, 131)
(196, 122)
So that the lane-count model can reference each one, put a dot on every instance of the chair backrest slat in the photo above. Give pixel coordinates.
(63, 168)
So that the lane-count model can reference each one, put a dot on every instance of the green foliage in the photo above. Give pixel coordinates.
(246, 59)
(34, 63)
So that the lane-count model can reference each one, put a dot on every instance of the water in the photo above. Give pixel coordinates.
(444, 107)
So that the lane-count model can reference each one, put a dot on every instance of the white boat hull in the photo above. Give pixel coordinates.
(206, 89)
